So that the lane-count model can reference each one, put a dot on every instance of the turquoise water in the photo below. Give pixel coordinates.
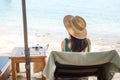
(46, 16)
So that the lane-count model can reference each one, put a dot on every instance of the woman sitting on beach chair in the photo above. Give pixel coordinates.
(77, 41)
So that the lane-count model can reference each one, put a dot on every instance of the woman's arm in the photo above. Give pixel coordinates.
(62, 45)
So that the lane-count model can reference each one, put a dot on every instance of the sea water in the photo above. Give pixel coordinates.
(46, 16)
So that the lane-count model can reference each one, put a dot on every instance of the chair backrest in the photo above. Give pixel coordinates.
(66, 64)
(77, 71)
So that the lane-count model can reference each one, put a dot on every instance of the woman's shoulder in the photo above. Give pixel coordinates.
(88, 48)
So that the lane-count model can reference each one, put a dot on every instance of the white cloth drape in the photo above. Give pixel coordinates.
(83, 58)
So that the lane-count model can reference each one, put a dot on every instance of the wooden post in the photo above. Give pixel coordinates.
(27, 53)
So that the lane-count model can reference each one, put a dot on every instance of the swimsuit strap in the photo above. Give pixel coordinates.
(66, 45)
(88, 47)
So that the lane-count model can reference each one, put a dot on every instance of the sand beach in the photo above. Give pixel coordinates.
(10, 41)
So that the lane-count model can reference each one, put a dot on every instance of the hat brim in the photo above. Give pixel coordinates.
(71, 31)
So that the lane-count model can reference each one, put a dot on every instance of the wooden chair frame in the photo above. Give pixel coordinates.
(74, 71)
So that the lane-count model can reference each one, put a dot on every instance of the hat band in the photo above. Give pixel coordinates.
(78, 31)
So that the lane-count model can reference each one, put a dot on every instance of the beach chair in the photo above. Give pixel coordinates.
(5, 67)
(75, 65)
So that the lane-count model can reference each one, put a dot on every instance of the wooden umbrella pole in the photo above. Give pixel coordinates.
(27, 53)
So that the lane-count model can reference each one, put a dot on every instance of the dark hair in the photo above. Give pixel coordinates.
(78, 45)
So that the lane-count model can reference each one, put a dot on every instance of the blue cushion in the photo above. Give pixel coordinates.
(4, 63)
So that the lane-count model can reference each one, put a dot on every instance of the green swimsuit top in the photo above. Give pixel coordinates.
(67, 48)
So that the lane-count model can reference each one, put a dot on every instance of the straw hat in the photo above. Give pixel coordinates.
(76, 26)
